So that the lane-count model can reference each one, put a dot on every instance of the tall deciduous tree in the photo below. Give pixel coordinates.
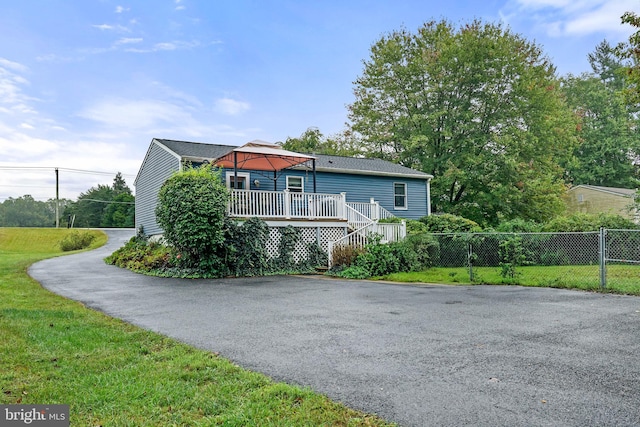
(479, 108)
(121, 211)
(25, 211)
(104, 206)
(313, 141)
(609, 140)
(631, 51)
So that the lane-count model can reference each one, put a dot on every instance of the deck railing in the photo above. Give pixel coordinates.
(355, 218)
(361, 217)
(371, 210)
(286, 205)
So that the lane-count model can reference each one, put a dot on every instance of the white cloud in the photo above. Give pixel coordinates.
(573, 18)
(103, 27)
(231, 106)
(52, 57)
(126, 40)
(18, 146)
(178, 116)
(5, 63)
(133, 114)
(165, 46)
(109, 27)
(605, 18)
(120, 9)
(12, 97)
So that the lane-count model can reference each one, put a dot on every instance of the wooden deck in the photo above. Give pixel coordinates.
(287, 205)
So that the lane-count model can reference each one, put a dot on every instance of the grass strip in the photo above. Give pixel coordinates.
(621, 279)
(56, 351)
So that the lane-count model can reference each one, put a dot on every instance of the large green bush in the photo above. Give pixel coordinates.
(76, 240)
(518, 225)
(244, 253)
(448, 223)
(426, 248)
(589, 222)
(411, 254)
(192, 209)
(141, 255)
(247, 248)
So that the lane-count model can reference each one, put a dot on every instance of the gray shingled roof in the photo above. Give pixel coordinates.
(324, 162)
(357, 164)
(615, 190)
(196, 149)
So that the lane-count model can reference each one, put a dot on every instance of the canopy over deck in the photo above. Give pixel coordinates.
(264, 156)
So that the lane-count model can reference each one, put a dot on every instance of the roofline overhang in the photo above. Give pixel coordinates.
(426, 177)
(161, 145)
(603, 190)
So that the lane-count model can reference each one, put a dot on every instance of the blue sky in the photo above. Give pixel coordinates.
(87, 84)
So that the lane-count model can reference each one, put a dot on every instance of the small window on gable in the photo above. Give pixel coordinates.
(400, 195)
(295, 184)
(580, 198)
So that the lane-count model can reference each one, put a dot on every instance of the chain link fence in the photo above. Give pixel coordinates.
(587, 260)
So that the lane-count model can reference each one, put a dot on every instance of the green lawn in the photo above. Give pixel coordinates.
(623, 279)
(53, 350)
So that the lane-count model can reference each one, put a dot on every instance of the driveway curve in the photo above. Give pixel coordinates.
(416, 355)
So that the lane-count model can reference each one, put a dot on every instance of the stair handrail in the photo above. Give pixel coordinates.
(357, 238)
(355, 218)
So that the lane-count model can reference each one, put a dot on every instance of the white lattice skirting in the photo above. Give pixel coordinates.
(320, 235)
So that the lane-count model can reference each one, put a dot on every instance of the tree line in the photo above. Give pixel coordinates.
(105, 206)
(483, 110)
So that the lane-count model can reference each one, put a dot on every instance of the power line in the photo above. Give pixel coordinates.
(105, 201)
(85, 171)
(26, 186)
(79, 200)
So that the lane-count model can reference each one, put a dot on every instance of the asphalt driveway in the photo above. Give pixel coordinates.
(416, 355)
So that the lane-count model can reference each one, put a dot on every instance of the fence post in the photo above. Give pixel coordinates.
(602, 252)
(287, 204)
(375, 209)
(470, 259)
(343, 207)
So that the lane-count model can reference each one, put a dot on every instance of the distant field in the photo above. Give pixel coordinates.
(56, 351)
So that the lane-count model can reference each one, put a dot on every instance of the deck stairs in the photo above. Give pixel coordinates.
(363, 223)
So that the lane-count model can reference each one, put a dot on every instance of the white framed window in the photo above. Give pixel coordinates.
(295, 184)
(243, 181)
(400, 195)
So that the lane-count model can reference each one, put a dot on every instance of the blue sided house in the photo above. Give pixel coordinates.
(333, 199)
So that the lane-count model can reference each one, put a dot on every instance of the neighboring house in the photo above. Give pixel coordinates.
(336, 194)
(595, 199)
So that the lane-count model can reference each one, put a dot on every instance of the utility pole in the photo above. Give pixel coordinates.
(57, 202)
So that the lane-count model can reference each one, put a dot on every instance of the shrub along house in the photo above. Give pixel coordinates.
(331, 199)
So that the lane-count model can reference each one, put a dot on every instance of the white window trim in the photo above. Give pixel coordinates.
(301, 178)
(406, 197)
(245, 175)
